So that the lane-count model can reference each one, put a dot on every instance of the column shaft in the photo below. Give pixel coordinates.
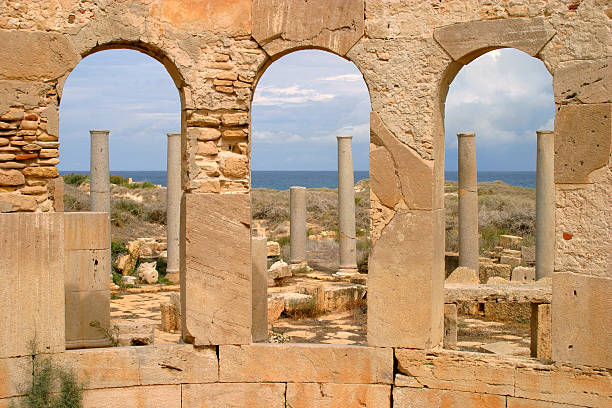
(468, 201)
(346, 206)
(99, 174)
(545, 204)
(298, 224)
(173, 206)
(259, 268)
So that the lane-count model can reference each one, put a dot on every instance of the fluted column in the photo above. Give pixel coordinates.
(545, 204)
(346, 207)
(173, 206)
(297, 225)
(468, 200)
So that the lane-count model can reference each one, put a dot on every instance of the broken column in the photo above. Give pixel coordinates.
(298, 224)
(99, 174)
(259, 268)
(468, 200)
(173, 205)
(545, 204)
(346, 207)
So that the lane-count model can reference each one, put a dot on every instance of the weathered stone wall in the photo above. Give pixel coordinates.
(408, 52)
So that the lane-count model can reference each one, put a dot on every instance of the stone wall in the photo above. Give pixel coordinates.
(408, 52)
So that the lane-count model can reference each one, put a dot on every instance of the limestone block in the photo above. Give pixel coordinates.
(582, 323)
(176, 364)
(451, 262)
(466, 41)
(32, 290)
(10, 202)
(276, 306)
(540, 330)
(563, 384)
(279, 269)
(497, 280)
(154, 396)
(513, 261)
(216, 282)
(405, 294)
(41, 172)
(305, 363)
(405, 397)
(11, 177)
(203, 134)
(463, 275)
(273, 249)
(529, 403)
(234, 395)
(147, 273)
(170, 317)
(86, 231)
(383, 180)
(287, 24)
(226, 16)
(583, 82)
(461, 371)
(16, 374)
(523, 274)
(450, 326)
(582, 141)
(53, 53)
(135, 332)
(510, 241)
(415, 174)
(312, 395)
(488, 270)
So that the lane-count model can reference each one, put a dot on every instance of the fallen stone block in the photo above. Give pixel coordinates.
(510, 241)
(497, 280)
(170, 317)
(272, 249)
(503, 348)
(276, 306)
(540, 330)
(463, 275)
(523, 274)
(486, 271)
(147, 273)
(528, 256)
(279, 270)
(135, 333)
(296, 301)
(513, 261)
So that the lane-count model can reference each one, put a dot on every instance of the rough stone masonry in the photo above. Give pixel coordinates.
(408, 52)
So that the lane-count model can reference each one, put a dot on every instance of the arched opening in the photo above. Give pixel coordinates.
(133, 97)
(303, 102)
(503, 97)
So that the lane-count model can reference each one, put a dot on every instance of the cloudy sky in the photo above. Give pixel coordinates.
(301, 103)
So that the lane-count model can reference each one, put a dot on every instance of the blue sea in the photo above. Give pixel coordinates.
(282, 180)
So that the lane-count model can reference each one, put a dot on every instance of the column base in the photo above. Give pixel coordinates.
(173, 276)
(296, 265)
(342, 272)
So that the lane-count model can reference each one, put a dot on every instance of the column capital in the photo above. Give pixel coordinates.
(173, 134)
(297, 188)
(544, 132)
(466, 134)
(95, 132)
(344, 137)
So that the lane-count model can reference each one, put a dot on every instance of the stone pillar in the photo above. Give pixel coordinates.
(545, 204)
(298, 224)
(173, 206)
(99, 173)
(468, 201)
(346, 207)
(259, 268)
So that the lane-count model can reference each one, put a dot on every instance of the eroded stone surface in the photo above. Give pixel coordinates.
(234, 395)
(335, 28)
(305, 363)
(216, 270)
(583, 82)
(311, 395)
(424, 398)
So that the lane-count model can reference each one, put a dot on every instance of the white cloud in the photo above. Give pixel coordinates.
(272, 96)
(343, 78)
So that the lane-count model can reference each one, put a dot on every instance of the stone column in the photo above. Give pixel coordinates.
(99, 174)
(173, 206)
(346, 207)
(298, 224)
(468, 201)
(545, 204)
(259, 268)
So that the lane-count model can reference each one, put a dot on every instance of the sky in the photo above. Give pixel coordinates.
(301, 103)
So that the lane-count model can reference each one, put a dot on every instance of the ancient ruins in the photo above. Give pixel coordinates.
(54, 264)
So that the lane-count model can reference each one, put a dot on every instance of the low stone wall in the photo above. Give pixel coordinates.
(304, 375)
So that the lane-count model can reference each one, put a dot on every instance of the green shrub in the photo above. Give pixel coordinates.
(118, 247)
(76, 179)
(283, 241)
(46, 379)
(118, 180)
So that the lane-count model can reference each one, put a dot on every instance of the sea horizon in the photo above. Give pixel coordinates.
(283, 180)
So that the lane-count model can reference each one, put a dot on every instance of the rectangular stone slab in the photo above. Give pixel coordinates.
(426, 398)
(313, 395)
(249, 395)
(32, 289)
(305, 363)
(153, 396)
(216, 271)
(581, 323)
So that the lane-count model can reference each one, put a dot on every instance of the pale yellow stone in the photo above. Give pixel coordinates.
(16, 374)
(234, 395)
(154, 396)
(427, 398)
(305, 363)
(312, 395)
